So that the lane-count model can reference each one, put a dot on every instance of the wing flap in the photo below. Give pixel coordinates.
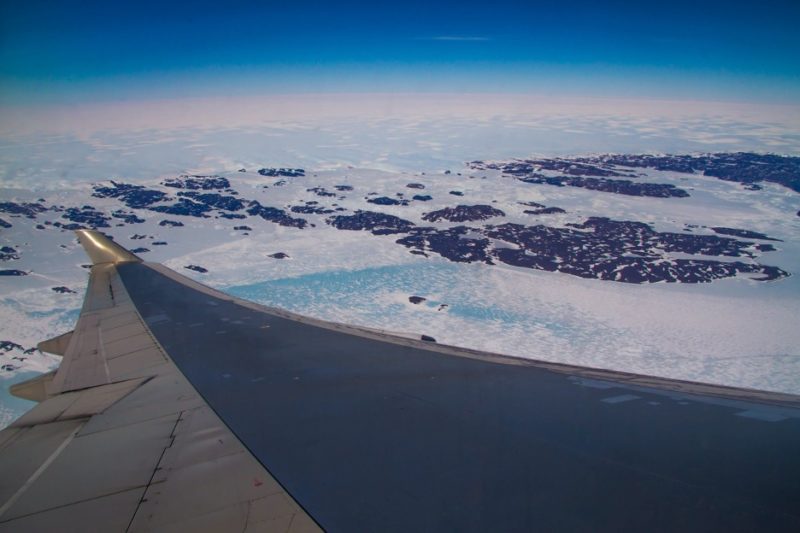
(34, 389)
(27, 454)
(56, 345)
(106, 513)
(202, 450)
(92, 466)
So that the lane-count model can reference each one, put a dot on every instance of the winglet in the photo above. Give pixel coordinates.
(101, 249)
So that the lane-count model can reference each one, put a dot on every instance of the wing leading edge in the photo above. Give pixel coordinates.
(367, 431)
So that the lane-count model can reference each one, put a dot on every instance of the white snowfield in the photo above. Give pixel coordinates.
(733, 331)
(51, 146)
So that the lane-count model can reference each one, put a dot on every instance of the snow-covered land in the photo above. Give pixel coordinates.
(643, 265)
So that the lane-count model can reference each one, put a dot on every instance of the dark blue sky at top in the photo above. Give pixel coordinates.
(727, 50)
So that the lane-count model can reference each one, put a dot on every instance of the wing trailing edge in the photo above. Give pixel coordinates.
(34, 389)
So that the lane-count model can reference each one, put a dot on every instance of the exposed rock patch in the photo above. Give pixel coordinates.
(377, 223)
(27, 209)
(171, 223)
(463, 213)
(205, 183)
(8, 253)
(453, 243)
(13, 272)
(62, 290)
(133, 196)
(385, 200)
(278, 216)
(285, 172)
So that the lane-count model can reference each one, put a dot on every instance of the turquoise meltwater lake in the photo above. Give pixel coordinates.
(377, 296)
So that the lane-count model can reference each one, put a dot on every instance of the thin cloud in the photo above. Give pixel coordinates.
(462, 38)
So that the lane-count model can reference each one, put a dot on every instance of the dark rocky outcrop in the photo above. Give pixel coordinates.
(577, 173)
(385, 200)
(321, 191)
(744, 233)
(7, 346)
(284, 172)
(133, 196)
(377, 223)
(627, 187)
(215, 200)
(570, 167)
(62, 290)
(273, 214)
(127, 218)
(27, 209)
(205, 183)
(455, 244)
(624, 251)
(87, 216)
(746, 168)
(310, 210)
(184, 207)
(599, 248)
(463, 213)
(8, 253)
(544, 211)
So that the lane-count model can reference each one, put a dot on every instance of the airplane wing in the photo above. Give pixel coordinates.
(180, 408)
(121, 441)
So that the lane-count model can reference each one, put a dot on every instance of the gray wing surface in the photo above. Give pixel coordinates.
(180, 407)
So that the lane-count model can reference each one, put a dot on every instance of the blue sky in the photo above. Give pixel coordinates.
(82, 51)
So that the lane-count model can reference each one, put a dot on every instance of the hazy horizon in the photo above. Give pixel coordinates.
(94, 51)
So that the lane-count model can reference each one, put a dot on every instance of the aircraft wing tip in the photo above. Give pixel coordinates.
(102, 249)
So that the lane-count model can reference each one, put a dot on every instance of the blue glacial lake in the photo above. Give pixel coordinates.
(463, 288)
